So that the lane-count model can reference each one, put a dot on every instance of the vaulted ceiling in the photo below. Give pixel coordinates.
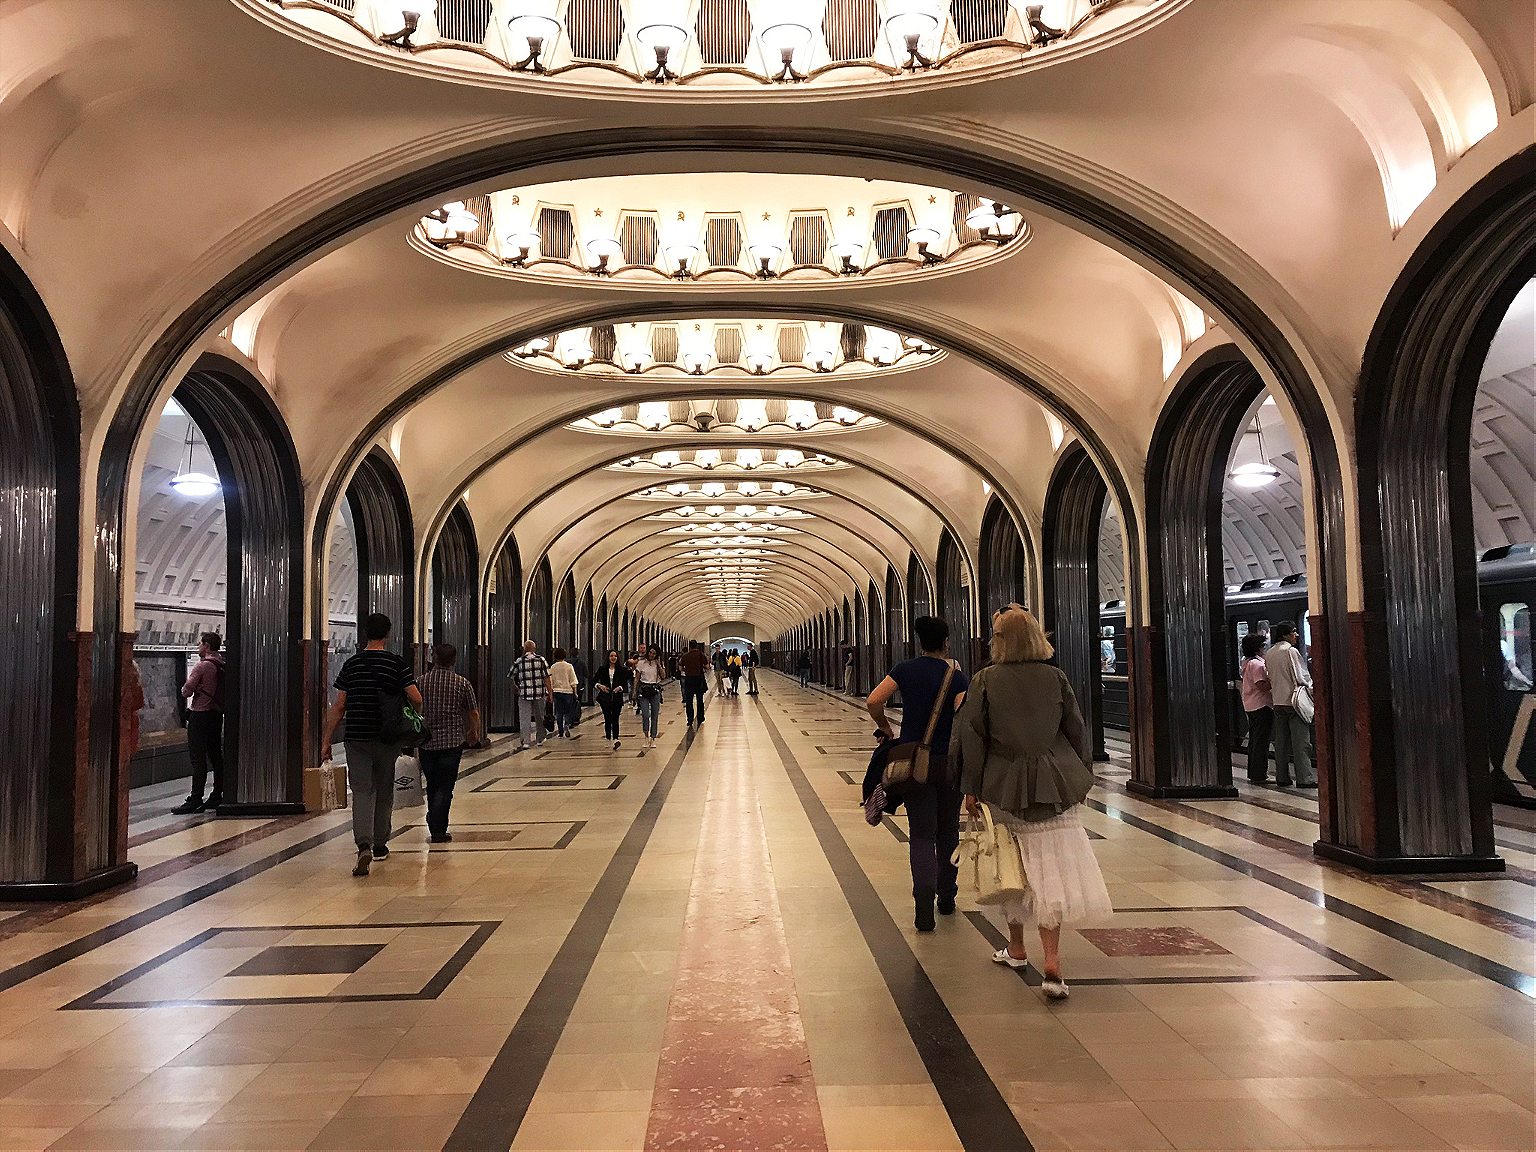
(1298, 150)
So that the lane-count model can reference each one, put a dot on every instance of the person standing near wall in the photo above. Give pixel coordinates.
(367, 678)
(751, 661)
(848, 665)
(1293, 735)
(453, 718)
(204, 692)
(1257, 707)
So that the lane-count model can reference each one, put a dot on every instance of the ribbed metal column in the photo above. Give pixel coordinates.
(455, 588)
(504, 637)
(1074, 504)
(386, 549)
(264, 510)
(540, 594)
(1186, 470)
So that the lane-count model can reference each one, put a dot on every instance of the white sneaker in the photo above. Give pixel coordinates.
(1003, 956)
(615, 745)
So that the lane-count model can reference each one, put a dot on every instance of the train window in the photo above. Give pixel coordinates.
(1107, 649)
(1242, 633)
(1306, 634)
(1515, 646)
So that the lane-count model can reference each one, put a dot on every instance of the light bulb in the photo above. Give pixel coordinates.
(195, 485)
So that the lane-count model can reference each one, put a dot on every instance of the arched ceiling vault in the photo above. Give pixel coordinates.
(295, 175)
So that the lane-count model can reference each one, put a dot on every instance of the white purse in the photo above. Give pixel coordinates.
(989, 861)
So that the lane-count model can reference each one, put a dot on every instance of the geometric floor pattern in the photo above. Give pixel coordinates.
(703, 945)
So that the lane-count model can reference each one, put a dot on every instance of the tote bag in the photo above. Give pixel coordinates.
(989, 861)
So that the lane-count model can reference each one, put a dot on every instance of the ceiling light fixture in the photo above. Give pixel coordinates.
(410, 20)
(766, 255)
(907, 23)
(533, 24)
(661, 26)
(194, 485)
(523, 244)
(848, 252)
(925, 239)
(682, 255)
(606, 254)
(786, 39)
(1257, 473)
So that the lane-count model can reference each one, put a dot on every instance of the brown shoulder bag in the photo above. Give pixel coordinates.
(909, 760)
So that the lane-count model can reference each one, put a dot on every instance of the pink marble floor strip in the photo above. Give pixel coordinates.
(735, 1071)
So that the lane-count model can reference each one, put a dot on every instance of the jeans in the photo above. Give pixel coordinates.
(530, 719)
(613, 707)
(694, 688)
(751, 680)
(933, 829)
(650, 713)
(565, 711)
(1261, 725)
(441, 769)
(205, 745)
(1293, 744)
(805, 677)
(371, 775)
(848, 681)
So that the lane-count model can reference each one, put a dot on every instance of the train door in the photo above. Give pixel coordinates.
(1512, 712)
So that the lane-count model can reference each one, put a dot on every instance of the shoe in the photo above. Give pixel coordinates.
(212, 803)
(187, 807)
(380, 852)
(615, 745)
(1284, 784)
(1306, 784)
(364, 859)
(1003, 956)
(923, 920)
(445, 838)
(1055, 988)
(946, 905)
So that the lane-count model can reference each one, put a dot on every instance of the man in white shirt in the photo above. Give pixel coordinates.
(1285, 670)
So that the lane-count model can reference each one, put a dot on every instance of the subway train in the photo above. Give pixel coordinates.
(1507, 588)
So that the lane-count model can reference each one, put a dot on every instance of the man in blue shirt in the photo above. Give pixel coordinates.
(933, 808)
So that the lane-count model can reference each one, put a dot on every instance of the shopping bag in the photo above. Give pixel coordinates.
(408, 790)
(989, 861)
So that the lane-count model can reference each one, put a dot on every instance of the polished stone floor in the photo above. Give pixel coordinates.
(705, 946)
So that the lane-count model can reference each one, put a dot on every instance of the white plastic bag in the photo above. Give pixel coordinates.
(408, 790)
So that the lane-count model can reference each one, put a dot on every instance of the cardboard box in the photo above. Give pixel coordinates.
(325, 788)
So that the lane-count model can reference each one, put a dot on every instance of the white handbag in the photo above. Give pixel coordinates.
(989, 861)
(408, 790)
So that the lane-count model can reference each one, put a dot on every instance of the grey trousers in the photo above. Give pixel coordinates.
(371, 775)
(530, 721)
(1293, 744)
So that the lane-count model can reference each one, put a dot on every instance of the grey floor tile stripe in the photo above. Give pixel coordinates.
(980, 1115)
(496, 1111)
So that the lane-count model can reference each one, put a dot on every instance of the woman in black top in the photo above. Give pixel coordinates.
(609, 686)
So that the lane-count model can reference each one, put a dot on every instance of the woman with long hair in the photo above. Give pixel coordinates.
(609, 685)
(1025, 755)
(649, 674)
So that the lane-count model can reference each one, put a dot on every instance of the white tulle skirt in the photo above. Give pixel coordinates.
(1065, 884)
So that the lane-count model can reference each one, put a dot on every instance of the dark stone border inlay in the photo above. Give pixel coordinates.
(1357, 970)
(430, 991)
(495, 1112)
(978, 1111)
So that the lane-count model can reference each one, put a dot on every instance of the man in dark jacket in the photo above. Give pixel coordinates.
(204, 692)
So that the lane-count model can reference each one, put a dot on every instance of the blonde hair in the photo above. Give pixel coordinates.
(1018, 637)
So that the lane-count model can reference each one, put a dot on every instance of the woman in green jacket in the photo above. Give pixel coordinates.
(1025, 755)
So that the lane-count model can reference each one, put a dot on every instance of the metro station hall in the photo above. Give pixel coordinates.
(728, 575)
